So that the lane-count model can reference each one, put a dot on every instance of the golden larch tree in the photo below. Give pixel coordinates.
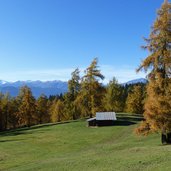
(158, 64)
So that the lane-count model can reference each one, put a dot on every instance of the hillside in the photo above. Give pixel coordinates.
(73, 146)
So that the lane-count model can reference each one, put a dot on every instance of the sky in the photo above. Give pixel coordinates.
(48, 39)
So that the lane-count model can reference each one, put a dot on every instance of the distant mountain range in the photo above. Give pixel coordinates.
(37, 87)
(140, 80)
(45, 87)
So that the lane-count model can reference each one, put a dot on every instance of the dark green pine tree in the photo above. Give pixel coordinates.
(158, 64)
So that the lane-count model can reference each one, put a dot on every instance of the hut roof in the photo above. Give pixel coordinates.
(91, 119)
(106, 116)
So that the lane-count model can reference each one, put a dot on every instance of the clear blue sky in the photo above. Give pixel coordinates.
(47, 39)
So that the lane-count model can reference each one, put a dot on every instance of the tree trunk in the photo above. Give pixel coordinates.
(166, 138)
(163, 139)
(169, 138)
(74, 118)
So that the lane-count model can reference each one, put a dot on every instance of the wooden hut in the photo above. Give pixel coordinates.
(91, 121)
(103, 119)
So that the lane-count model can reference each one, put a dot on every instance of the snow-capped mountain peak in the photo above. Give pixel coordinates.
(3, 82)
(140, 80)
(37, 87)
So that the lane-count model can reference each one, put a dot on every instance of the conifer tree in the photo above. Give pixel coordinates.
(158, 64)
(2, 116)
(5, 107)
(57, 111)
(13, 111)
(135, 100)
(113, 99)
(27, 108)
(70, 97)
(5, 111)
(74, 83)
(42, 109)
(92, 91)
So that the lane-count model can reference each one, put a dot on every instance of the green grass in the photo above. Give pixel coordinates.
(75, 147)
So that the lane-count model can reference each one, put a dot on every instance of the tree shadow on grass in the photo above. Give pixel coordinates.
(130, 117)
(3, 141)
(27, 130)
(124, 120)
(115, 123)
(14, 133)
(123, 123)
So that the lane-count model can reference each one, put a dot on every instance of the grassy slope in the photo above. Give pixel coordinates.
(75, 147)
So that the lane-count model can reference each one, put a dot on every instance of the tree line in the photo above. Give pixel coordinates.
(86, 95)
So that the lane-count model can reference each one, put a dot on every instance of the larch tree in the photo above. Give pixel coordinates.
(92, 91)
(13, 111)
(158, 64)
(113, 100)
(57, 111)
(5, 105)
(135, 100)
(74, 83)
(8, 112)
(42, 114)
(70, 97)
(2, 115)
(27, 108)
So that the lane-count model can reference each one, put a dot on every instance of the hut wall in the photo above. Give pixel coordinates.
(92, 123)
(105, 122)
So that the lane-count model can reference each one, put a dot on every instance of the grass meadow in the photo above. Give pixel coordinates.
(75, 147)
